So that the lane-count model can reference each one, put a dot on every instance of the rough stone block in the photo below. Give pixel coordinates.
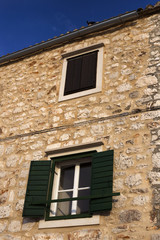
(156, 160)
(1, 150)
(85, 234)
(49, 236)
(119, 201)
(19, 205)
(5, 211)
(14, 226)
(9, 237)
(3, 196)
(130, 216)
(133, 180)
(120, 229)
(123, 162)
(3, 226)
(150, 115)
(124, 87)
(12, 160)
(140, 200)
(28, 224)
(155, 237)
(64, 137)
(2, 174)
(146, 80)
(154, 177)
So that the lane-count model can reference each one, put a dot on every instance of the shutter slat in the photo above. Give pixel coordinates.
(102, 181)
(37, 188)
(102, 200)
(101, 191)
(38, 183)
(33, 212)
(102, 168)
(103, 162)
(101, 207)
(42, 177)
(40, 164)
(39, 173)
(101, 174)
(104, 154)
(36, 193)
(103, 184)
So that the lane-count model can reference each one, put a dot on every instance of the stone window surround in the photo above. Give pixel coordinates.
(80, 148)
(98, 88)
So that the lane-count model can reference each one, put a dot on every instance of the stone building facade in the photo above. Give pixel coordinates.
(122, 116)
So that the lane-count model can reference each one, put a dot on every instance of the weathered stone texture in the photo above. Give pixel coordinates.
(133, 180)
(9, 237)
(49, 236)
(155, 237)
(124, 116)
(5, 211)
(14, 226)
(3, 225)
(85, 234)
(130, 216)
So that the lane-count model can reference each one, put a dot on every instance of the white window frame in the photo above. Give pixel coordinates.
(81, 148)
(99, 72)
(75, 188)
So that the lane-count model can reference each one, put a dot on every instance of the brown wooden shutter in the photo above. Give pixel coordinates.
(73, 75)
(89, 69)
(81, 73)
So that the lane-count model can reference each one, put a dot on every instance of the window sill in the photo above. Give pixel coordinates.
(70, 222)
(80, 94)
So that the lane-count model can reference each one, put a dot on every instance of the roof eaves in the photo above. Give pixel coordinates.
(63, 38)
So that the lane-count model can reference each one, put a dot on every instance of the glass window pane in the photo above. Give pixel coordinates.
(64, 208)
(67, 177)
(83, 205)
(85, 175)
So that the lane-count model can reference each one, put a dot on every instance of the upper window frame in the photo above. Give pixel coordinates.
(66, 56)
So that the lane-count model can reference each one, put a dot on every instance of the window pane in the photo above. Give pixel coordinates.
(64, 208)
(85, 175)
(83, 205)
(67, 177)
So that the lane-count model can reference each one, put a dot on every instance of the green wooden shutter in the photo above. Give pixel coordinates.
(37, 188)
(101, 182)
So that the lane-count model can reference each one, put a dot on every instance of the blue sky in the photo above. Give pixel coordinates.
(26, 22)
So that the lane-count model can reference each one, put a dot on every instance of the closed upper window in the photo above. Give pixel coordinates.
(82, 72)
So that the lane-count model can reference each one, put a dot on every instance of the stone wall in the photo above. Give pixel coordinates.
(125, 116)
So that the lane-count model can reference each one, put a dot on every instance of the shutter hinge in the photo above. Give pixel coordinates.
(52, 171)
